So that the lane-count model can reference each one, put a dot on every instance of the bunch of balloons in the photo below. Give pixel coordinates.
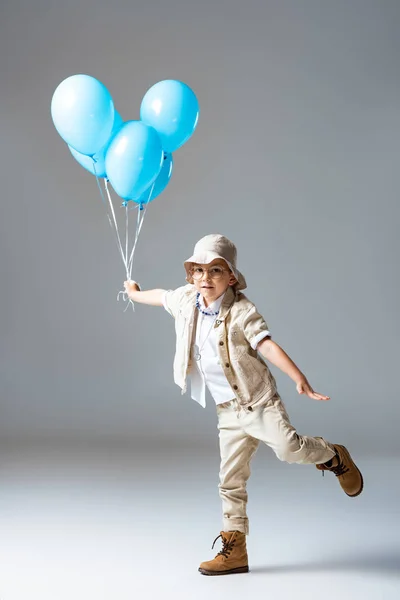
(135, 156)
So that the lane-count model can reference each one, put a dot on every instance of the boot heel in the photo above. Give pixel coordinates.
(240, 570)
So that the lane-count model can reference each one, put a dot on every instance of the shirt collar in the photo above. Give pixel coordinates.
(216, 305)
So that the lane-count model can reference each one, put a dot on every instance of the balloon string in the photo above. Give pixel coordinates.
(115, 230)
(122, 293)
(115, 226)
(139, 225)
(126, 231)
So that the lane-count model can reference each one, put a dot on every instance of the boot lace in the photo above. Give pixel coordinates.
(340, 469)
(226, 548)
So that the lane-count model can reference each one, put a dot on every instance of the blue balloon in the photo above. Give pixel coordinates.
(171, 107)
(160, 183)
(134, 159)
(99, 157)
(83, 113)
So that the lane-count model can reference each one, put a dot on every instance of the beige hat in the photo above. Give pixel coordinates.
(211, 247)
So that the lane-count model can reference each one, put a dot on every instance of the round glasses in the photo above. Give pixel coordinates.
(213, 272)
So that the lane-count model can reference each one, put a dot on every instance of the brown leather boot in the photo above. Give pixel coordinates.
(345, 470)
(231, 559)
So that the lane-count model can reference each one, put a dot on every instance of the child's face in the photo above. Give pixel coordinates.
(212, 280)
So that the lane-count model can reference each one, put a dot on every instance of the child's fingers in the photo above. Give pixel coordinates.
(320, 396)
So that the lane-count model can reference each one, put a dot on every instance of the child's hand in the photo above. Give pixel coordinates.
(303, 387)
(130, 287)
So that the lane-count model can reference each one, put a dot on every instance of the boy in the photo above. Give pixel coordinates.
(219, 336)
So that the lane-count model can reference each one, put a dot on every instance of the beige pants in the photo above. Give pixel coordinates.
(240, 432)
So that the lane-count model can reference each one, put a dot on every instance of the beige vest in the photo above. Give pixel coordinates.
(237, 322)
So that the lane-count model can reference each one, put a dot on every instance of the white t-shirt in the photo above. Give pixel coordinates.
(208, 371)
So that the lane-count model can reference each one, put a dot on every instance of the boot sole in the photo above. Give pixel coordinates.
(230, 572)
(362, 478)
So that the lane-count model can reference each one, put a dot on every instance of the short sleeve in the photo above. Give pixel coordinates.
(172, 299)
(255, 328)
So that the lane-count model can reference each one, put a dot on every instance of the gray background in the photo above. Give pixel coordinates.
(295, 158)
(108, 474)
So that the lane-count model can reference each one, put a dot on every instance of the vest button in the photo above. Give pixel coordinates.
(221, 343)
(227, 365)
(250, 409)
(235, 387)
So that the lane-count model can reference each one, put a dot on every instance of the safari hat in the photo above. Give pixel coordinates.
(211, 247)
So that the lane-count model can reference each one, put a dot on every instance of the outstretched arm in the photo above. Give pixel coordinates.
(151, 297)
(278, 357)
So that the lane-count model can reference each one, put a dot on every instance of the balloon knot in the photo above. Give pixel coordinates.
(126, 299)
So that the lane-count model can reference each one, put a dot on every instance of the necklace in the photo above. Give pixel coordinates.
(197, 354)
(208, 314)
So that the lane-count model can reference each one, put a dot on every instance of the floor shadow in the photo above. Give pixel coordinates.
(378, 563)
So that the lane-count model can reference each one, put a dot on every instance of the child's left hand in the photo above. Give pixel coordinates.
(303, 387)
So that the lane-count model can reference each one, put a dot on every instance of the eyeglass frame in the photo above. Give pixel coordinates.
(206, 270)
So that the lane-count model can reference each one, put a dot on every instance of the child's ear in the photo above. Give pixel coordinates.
(232, 279)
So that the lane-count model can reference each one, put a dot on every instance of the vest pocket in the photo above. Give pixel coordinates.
(262, 371)
(237, 343)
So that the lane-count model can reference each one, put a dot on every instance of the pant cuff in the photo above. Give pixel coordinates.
(236, 524)
(330, 453)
